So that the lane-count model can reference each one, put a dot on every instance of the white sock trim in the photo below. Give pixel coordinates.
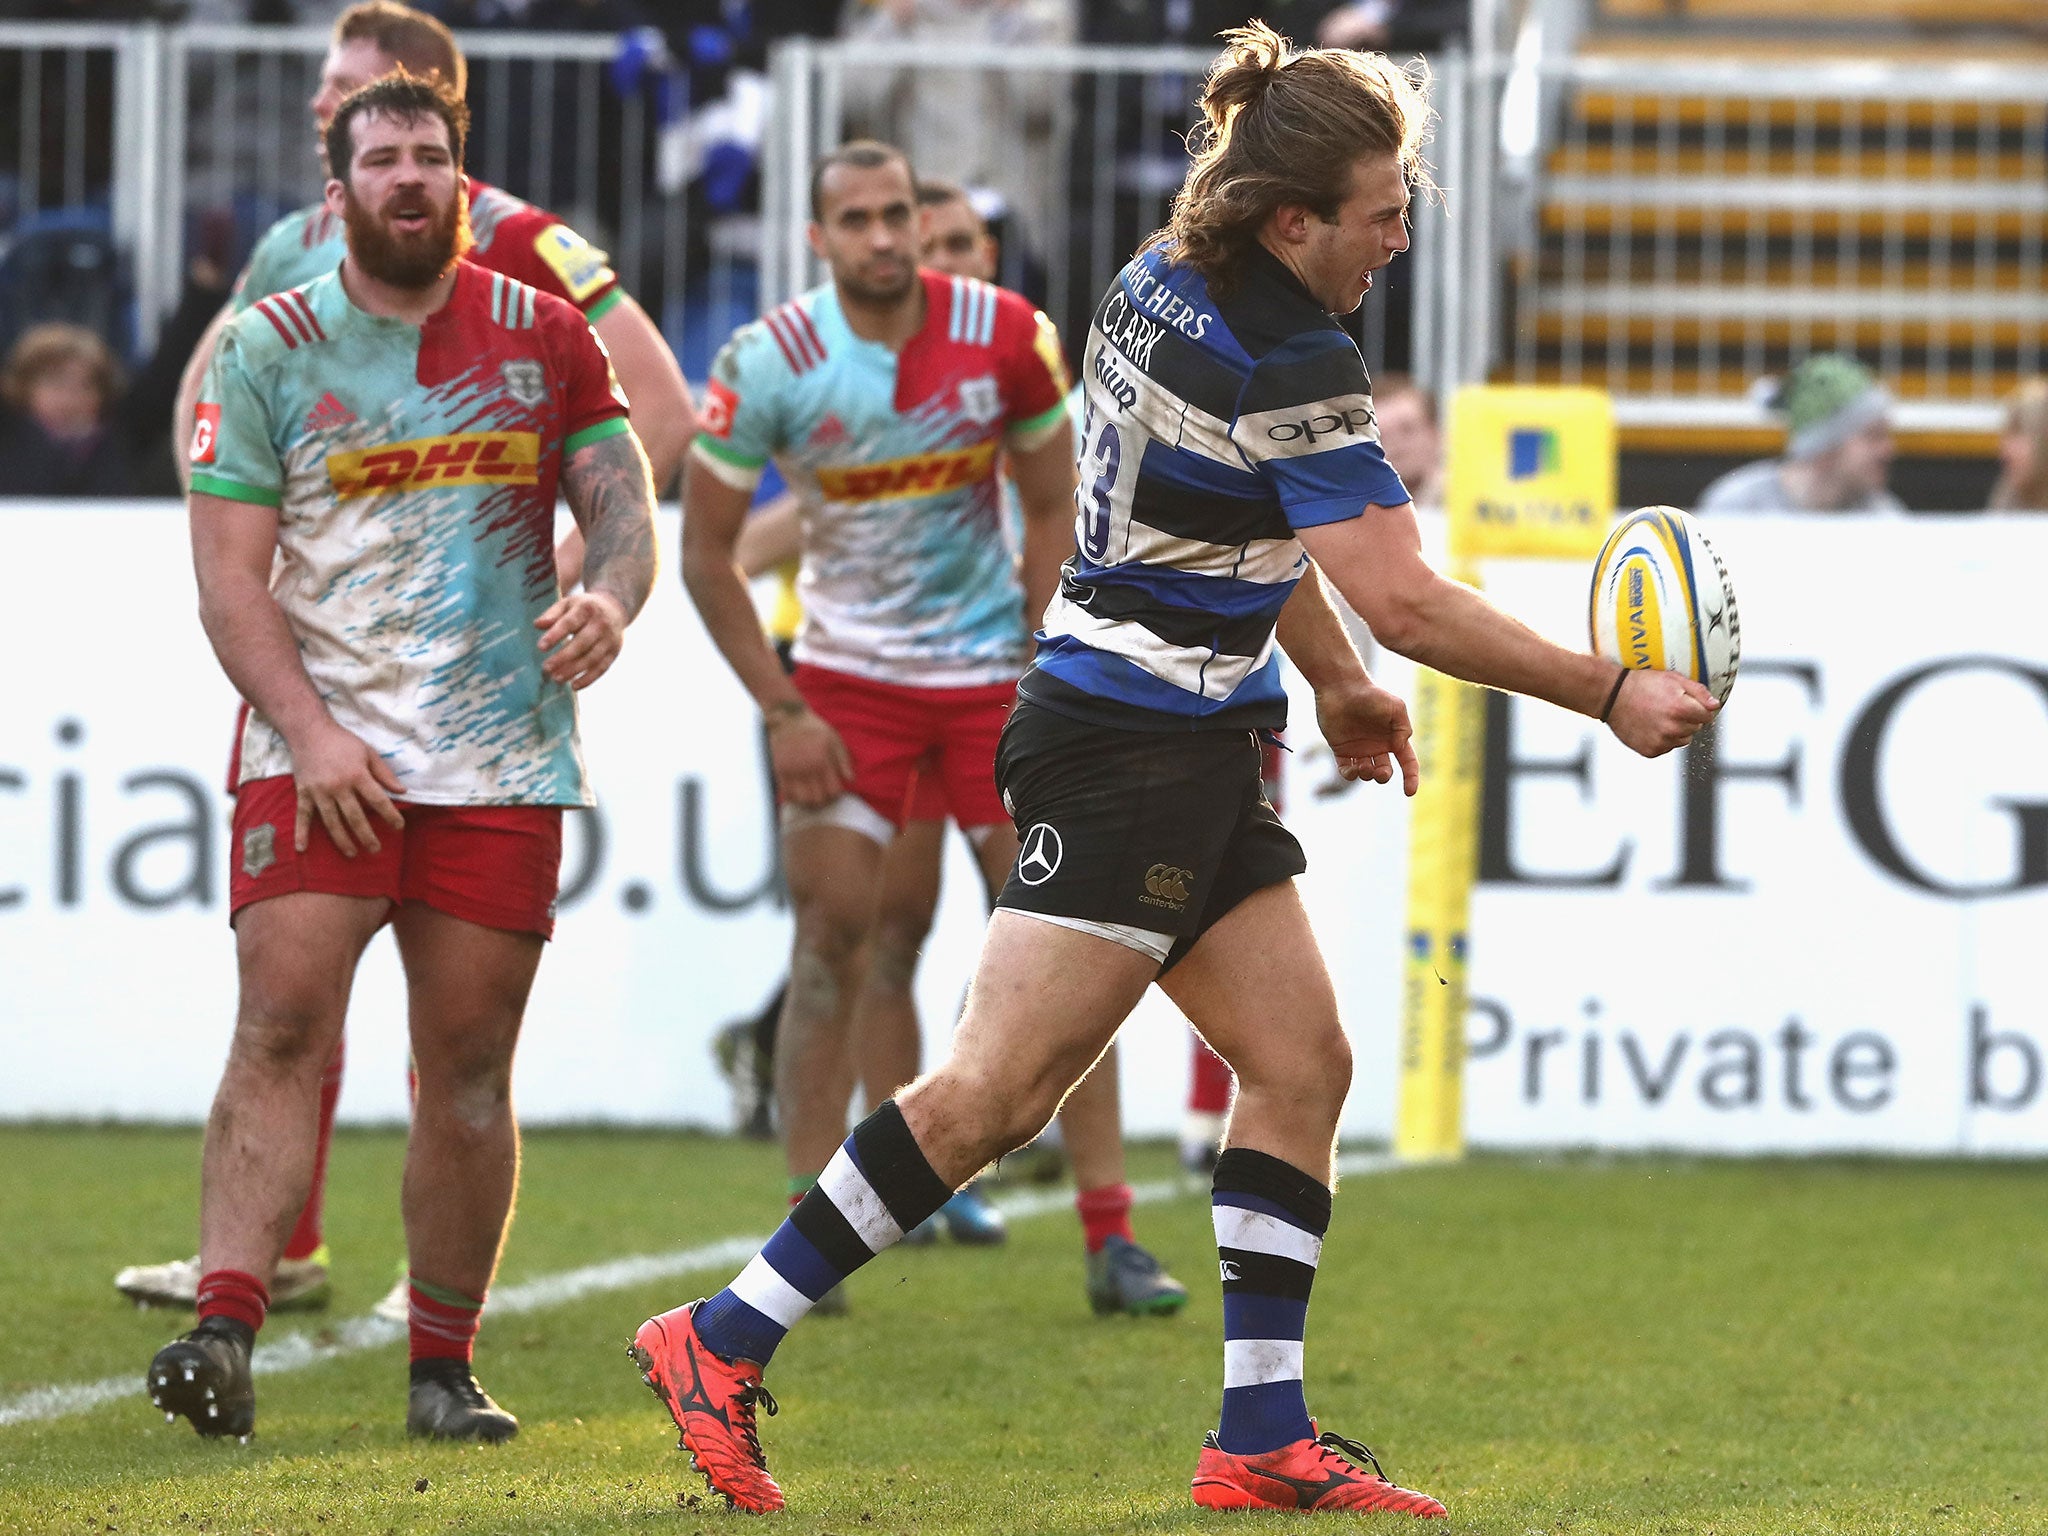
(1254, 1362)
(1256, 1232)
(762, 1288)
(857, 1201)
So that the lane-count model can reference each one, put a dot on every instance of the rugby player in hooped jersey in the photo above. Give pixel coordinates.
(887, 398)
(1229, 467)
(521, 241)
(374, 473)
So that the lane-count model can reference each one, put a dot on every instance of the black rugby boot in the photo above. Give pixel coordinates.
(445, 1403)
(205, 1376)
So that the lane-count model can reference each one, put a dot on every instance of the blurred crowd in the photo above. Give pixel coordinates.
(83, 418)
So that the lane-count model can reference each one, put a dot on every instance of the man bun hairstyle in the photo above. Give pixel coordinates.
(419, 42)
(405, 97)
(1283, 127)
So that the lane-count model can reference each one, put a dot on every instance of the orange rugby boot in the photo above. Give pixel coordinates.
(1319, 1474)
(712, 1401)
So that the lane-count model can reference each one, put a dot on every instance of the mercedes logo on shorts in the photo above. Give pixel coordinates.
(1040, 859)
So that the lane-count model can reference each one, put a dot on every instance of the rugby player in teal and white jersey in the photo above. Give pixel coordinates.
(375, 463)
(523, 242)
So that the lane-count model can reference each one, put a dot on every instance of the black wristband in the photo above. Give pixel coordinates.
(1607, 709)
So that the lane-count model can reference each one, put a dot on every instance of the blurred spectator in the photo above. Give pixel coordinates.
(979, 128)
(470, 15)
(59, 384)
(583, 15)
(2023, 451)
(1838, 447)
(1409, 436)
(1392, 26)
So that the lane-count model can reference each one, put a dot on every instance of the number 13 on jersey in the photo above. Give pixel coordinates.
(1103, 514)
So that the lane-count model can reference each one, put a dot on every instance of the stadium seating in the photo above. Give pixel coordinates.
(1689, 239)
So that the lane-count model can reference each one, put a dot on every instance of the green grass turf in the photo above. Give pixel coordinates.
(1618, 1346)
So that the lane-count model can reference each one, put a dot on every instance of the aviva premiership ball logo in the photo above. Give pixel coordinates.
(1638, 623)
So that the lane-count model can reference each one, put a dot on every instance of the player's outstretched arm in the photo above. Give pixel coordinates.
(1045, 492)
(611, 493)
(339, 778)
(811, 762)
(1366, 726)
(190, 382)
(1376, 561)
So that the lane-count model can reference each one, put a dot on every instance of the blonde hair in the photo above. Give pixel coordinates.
(51, 345)
(1282, 128)
(2026, 415)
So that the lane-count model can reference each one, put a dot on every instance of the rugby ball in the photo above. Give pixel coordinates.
(1662, 600)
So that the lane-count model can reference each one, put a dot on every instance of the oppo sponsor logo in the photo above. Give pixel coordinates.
(1311, 429)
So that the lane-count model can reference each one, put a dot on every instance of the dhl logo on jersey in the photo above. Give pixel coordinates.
(921, 474)
(460, 458)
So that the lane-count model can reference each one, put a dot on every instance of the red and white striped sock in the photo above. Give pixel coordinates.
(444, 1321)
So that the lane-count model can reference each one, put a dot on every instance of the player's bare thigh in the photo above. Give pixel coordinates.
(909, 896)
(1045, 1002)
(1256, 987)
(466, 988)
(297, 953)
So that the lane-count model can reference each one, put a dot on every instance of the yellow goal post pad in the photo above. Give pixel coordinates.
(1532, 475)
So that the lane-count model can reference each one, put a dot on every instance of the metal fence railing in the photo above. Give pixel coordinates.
(1084, 147)
(1668, 231)
(134, 146)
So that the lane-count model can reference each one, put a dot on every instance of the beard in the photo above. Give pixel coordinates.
(879, 293)
(407, 260)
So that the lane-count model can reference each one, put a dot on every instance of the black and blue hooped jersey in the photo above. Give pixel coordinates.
(1214, 428)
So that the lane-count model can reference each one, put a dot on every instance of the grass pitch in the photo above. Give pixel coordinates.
(1621, 1346)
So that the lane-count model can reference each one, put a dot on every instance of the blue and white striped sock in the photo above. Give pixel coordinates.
(877, 1187)
(1270, 1220)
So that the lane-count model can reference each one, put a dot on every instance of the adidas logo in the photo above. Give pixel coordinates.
(330, 415)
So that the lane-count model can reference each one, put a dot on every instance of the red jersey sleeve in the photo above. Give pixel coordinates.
(541, 251)
(1032, 368)
(594, 405)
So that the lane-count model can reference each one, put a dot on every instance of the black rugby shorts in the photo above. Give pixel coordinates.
(1165, 830)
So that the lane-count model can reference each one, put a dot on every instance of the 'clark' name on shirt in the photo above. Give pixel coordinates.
(1162, 303)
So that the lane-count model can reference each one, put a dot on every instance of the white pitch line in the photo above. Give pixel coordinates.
(296, 1351)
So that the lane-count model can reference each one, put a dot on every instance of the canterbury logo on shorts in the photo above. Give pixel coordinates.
(1167, 886)
(460, 458)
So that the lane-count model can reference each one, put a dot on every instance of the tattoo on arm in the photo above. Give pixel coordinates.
(611, 491)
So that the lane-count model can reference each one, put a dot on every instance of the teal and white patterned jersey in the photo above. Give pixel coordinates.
(907, 576)
(414, 471)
